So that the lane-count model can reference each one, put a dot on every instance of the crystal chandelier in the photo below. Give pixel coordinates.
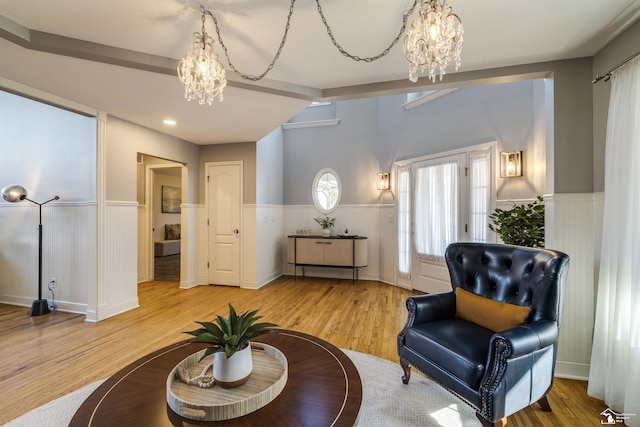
(433, 41)
(200, 71)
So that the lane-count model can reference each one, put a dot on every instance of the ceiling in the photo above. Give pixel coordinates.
(119, 56)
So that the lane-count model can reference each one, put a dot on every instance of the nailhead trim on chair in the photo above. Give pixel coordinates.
(494, 377)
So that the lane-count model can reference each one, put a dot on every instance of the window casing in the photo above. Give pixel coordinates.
(443, 199)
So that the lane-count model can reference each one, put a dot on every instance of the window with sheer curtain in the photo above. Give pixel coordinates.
(615, 358)
(404, 221)
(449, 201)
(479, 196)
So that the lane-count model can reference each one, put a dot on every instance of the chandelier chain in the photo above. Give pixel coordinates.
(395, 41)
(275, 57)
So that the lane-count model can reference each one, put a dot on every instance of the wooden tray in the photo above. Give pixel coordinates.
(267, 380)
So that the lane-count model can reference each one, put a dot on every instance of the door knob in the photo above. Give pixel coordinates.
(236, 231)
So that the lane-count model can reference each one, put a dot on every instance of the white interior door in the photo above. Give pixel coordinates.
(224, 195)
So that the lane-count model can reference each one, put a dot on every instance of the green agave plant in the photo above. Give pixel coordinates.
(232, 334)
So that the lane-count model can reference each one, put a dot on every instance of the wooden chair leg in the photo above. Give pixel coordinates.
(407, 371)
(544, 403)
(486, 423)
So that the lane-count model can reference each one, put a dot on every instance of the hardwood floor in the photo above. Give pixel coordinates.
(48, 356)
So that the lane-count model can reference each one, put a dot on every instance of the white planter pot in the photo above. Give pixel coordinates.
(326, 232)
(233, 371)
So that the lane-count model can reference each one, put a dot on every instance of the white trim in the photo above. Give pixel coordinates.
(572, 370)
(121, 203)
(314, 190)
(46, 98)
(64, 306)
(319, 104)
(479, 147)
(149, 177)
(268, 279)
(429, 96)
(313, 124)
(373, 206)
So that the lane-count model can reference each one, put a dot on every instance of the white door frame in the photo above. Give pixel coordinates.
(207, 202)
(148, 200)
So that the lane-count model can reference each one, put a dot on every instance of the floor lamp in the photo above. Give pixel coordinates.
(17, 193)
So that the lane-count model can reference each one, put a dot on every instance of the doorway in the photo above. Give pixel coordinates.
(161, 186)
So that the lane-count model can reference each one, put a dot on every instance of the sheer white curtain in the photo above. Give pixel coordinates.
(404, 221)
(615, 359)
(479, 198)
(436, 208)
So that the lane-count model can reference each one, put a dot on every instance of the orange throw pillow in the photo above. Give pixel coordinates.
(494, 315)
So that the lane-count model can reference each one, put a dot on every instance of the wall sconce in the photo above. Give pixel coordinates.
(510, 164)
(383, 181)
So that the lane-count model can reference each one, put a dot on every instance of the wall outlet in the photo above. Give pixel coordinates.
(53, 283)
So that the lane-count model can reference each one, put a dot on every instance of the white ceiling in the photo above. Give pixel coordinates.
(128, 68)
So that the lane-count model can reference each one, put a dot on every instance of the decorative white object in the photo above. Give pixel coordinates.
(188, 399)
(434, 40)
(232, 371)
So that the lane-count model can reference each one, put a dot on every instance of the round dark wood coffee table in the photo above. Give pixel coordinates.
(323, 389)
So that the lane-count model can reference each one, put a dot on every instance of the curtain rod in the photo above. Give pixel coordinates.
(607, 75)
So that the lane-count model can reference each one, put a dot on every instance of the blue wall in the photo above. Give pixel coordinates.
(374, 133)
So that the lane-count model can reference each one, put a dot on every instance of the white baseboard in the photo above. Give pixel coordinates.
(572, 370)
(66, 306)
(106, 312)
(273, 276)
(249, 284)
(188, 284)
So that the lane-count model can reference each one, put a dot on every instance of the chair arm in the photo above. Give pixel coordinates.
(430, 308)
(513, 353)
(528, 338)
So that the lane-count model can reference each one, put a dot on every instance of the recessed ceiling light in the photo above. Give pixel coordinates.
(169, 122)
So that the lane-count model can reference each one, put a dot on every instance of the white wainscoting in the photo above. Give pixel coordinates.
(202, 244)
(571, 227)
(388, 244)
(190, 245)
(269, 255)
(144, 257)
(249, 236)
(68, 252)
(118, 292)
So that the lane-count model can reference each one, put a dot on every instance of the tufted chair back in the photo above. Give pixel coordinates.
(510, 274)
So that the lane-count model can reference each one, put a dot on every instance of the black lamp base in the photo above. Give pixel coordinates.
(39, 307)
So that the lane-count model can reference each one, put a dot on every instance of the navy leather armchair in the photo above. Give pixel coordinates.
(496, 372)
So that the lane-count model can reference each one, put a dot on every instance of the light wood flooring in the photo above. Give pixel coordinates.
(45, 357)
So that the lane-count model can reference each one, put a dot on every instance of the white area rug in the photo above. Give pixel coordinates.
(386, 402)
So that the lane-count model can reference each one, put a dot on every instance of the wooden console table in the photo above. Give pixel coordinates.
(335, 251)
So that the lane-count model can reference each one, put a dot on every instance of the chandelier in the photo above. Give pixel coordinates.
(433, 41)
(200, 71)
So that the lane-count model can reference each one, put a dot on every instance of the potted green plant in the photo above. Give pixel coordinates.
(326, 223)
(521, 225)
(229, 337)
